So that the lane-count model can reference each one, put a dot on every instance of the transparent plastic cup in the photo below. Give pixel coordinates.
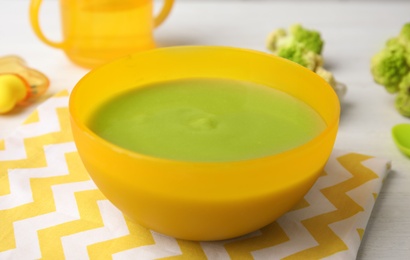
(97, 31)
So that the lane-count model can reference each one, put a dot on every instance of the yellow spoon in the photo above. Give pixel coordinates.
(401, 136)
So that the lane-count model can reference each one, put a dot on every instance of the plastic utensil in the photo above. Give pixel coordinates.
(19, 84)
(13, 89)
(401, 136)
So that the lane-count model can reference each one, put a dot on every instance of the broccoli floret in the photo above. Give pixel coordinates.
(391, 68)
(299, 45)
(404, 36)
(298, 53)
(405, 83)
(392, 63)
(304, 47)
(403, 97)
(273, 39)
(403, 102)
(338, 87)
(309, 40)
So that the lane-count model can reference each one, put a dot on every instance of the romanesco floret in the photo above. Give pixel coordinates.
(403, 102)
(391, 68)
(338, 87)
(299, 45)
(310, 40)
(304, 47)
(404, 36)
(298, 53)
(403, 97)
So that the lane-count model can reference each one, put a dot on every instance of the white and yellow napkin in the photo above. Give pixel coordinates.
(51, 209)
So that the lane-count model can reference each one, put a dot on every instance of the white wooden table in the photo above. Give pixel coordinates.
(353, 31)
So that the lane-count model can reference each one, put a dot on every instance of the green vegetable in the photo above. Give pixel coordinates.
(310, 40)
(300, 45)
(403, 97)
(390, 68)
(304, 47)
(299, 54)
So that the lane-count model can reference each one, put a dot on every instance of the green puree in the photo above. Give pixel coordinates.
(206, 120)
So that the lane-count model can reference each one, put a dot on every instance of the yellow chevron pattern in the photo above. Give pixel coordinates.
(51, 209)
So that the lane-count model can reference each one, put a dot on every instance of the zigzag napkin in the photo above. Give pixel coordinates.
(51, 209)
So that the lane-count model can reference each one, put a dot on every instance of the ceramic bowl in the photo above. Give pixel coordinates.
(202, 200)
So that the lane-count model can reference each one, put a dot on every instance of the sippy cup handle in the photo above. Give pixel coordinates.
(34, 11)
(166, 8)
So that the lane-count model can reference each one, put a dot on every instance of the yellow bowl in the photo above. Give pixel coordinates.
(202, 200)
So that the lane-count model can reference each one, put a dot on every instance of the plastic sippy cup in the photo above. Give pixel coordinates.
(97, 31)
(19, 84)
